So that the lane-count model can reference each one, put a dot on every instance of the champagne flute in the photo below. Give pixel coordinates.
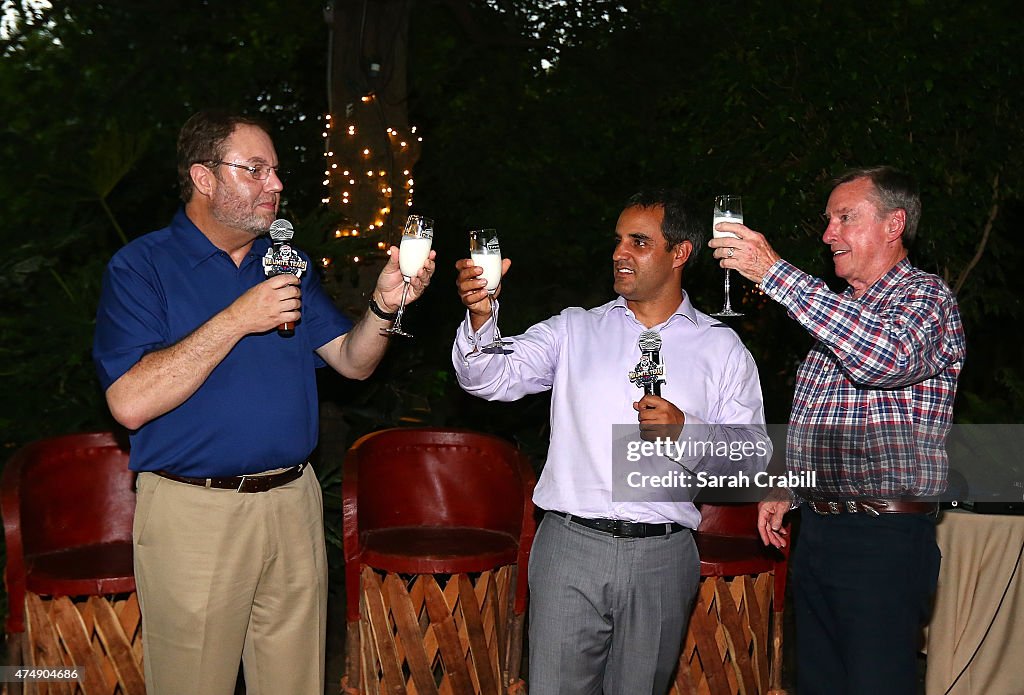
(485, 252)
(728, 208)
(412, 254)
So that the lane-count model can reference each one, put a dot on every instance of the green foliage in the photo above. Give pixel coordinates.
(539, 119)
(768, 99)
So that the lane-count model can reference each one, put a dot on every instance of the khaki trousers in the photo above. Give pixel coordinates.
(225, 577)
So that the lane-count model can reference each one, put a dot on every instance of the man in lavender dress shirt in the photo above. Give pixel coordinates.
(613, 576)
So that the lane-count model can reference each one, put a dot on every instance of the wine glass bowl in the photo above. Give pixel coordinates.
(485, 252)
(413, 251)
(728, 208)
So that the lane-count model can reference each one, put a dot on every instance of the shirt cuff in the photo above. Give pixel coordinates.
(467, 341)
(783, 281)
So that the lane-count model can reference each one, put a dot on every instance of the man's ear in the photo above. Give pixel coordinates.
(681, 252)
(897, 224)
(203, 179)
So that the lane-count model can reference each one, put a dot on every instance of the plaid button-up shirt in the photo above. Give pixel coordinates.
(874, 397)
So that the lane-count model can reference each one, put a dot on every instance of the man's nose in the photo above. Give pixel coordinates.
(274, 183)
(830, 234)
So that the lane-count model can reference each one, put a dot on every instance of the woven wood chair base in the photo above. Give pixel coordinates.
(424, 635)
(728, 643)
(100, 636)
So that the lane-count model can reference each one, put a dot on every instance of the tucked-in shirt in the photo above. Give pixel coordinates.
(258, 409)
(584, 357)
(874, 397)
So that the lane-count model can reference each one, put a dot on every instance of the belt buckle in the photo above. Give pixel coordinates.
(616, 529)
(241, 484)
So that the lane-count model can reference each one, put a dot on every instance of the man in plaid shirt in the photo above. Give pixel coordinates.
(872, 408)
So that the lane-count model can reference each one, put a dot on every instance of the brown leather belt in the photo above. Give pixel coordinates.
(872, 506)
(241, 483)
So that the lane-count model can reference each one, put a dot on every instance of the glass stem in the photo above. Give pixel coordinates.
(728, 301)
(401, 306)
(494, 320)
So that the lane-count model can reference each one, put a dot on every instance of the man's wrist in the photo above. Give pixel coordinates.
(380, 313)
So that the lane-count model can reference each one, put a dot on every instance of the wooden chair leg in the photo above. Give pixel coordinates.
(775, 686)
(14, 656)
(350, 679)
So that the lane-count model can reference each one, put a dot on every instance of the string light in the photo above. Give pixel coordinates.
(371, 195)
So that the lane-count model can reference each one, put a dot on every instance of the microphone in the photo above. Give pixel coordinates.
(649, 372)
(282, 258)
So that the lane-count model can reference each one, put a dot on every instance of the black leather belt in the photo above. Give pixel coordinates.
(623, 529)
(241, 483)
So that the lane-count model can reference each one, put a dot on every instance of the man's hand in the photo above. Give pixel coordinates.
(390, 282)
(769, 520)
(659, 419)
(751, 255)
(267, 305)
(471, 287)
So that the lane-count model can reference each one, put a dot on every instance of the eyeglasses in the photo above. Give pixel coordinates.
(260, 172)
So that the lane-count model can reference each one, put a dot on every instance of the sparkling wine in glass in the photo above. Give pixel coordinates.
(485, 252)
(728, 208)
(412, 254)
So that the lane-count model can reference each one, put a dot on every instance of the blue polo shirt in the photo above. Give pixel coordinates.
(258, 408)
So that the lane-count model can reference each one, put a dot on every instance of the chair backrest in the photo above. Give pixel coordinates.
(411, 477)
(737, 520)
(62, 493)
(434, 477)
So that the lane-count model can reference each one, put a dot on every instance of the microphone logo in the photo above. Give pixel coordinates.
(282, 258)
(649, 373)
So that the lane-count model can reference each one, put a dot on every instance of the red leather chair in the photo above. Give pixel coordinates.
(67, 505)
(734, 641)
(420, 505)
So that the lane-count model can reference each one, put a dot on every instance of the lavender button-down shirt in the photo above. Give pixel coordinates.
(584, 358)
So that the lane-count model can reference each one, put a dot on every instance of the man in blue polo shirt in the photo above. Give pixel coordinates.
(230, 560)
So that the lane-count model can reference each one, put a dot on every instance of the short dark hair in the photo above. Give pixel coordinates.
(202, 140)
(680, 222)
(894, 190)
